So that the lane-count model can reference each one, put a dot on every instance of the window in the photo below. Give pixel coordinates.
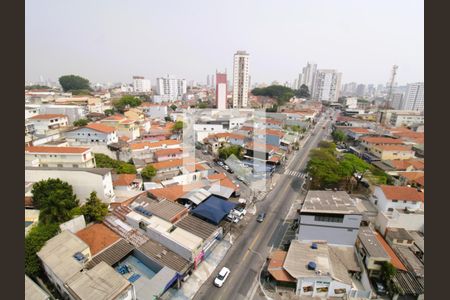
(405, 201)
(394, 201)
(390, 209)
(75, 165)
(44, 165)
(329, 218)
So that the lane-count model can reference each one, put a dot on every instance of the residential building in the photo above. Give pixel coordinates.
(388, 197)
(327, 85)
(221, 90)
(406, 119)
(170, 87)
(63, 257)
(414, 97)
(241, 79)
(141, 85)
(318, 271)
(91, 134)
(308, 76)
(31, 111)
(168, 154)
(127, 182)
(370, 251)
(390, 152)
(351, 102)
(83, 180)
(399, 218)
(100, 282)
(154, 111)
(371, 141)
(397, 101)
(43, 123)
(329, 216)
(123, 125)
(73, 112)
(34, 291)
(61, 157)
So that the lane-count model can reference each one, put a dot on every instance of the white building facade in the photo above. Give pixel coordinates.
(171, 88)
(141, 85)
(241, 79)
(308, 76)
(327, 85)
(414, 97)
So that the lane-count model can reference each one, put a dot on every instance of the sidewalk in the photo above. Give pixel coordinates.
(195, 281)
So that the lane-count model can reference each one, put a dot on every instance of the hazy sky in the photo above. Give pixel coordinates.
(112, 40)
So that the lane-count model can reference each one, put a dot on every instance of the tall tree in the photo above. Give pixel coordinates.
(74, 83)
(94, 210)
(80, 122)
(126, 102)
(303, 92)
(338, 136)
(148, 172)
(56, 208)
(121, 167)
(43, 189)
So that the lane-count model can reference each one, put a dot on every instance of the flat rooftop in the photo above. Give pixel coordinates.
(197, 226)
(329, 202)
(58, 254)
(371, 244)
(100, 282)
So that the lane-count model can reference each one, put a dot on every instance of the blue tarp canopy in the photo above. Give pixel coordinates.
(213, 209)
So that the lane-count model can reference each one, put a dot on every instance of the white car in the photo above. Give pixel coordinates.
(240, 212)
(221, 277)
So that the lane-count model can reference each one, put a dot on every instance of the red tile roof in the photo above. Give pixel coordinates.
(48, 116)
(393, 147)
(174, 192)
(276, 269)
(100, 127)
(359, 130)
(97, 237)
(400, 164)
(403, 193)
(417, 177)
(380, 140)
(124, 179)
(114, 118)
(395, 261)
(44, 149)
(164, 152)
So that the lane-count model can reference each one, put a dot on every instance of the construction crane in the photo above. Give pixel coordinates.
(391, 86)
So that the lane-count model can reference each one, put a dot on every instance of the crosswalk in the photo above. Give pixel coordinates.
(294, 173)
(261, 196)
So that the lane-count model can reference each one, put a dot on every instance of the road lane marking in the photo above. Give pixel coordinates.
(251, 246)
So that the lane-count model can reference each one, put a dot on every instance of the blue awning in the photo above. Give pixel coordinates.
(213, 209)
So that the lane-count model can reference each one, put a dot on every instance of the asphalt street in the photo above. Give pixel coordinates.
(248, 253)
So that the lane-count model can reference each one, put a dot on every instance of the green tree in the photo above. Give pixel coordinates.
(388, 272)
(202, 105)
(173, 107)
(34, 241)
(94, 210)
(80, 122)
(323, 168)
(338, 136)
(303, 92)
(36, 87)
(178, 127)
(281, 93)
(121, 167)
(227, 151)
(74, 83)
(148, 172)
(57, 207)
(295, 128)
(109, 112)
(43, 189)
(126, 102)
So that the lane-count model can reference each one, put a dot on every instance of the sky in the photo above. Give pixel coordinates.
(112, 40)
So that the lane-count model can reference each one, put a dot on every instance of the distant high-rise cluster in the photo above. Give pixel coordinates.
(414, 97)
(323, 84)
(141, 85)
(241, 79)
(170, 87)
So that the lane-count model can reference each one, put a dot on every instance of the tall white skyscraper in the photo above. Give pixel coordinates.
(141, 85)
(170, 87)
(327, 85)
(414, 97)
(241, 80)
(308, 76)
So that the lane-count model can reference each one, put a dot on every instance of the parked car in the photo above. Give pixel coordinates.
(261, 217)
(240, 211)
(379, 287)
(222, 277)
(220, 163)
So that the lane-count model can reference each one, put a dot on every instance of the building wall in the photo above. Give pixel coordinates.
(344, 233)
(61, 160)
(42, 126)
(327, 85)
(83, 183)
(318, 282)
(73, 112)
(391, 154)
(406, 120)
(383, 204)
(87, 136)
(241, 80)
(414, 222)
(157, 112)
(414, 97)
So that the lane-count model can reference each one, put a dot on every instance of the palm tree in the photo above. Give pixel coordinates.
(56, 208)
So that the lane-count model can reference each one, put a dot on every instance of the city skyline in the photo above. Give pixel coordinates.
(183, 47)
